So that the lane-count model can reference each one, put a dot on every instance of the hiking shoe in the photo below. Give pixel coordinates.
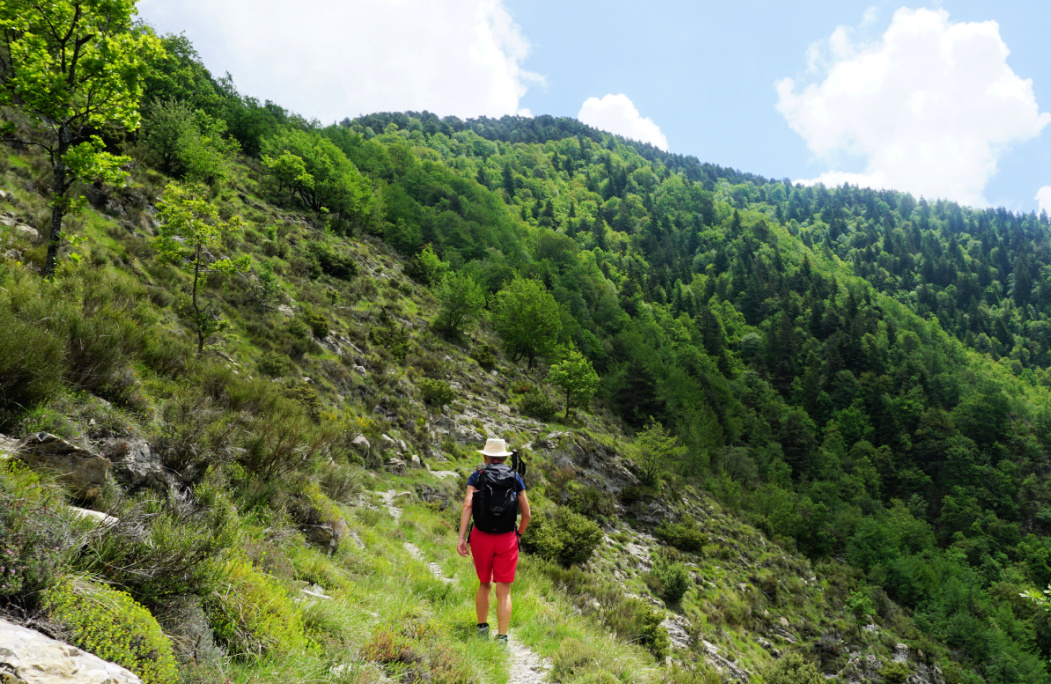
(483, 630)
(501, 640)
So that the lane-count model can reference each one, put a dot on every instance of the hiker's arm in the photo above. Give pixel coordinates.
(465, 517)
(523, 508)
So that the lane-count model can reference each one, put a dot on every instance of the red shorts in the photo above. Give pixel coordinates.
(495, 556)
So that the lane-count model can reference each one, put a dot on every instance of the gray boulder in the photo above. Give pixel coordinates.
(81, 471)
(136, 466)
(28, 657)
(327, 535)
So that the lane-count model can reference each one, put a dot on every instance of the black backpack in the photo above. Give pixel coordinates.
(495, 502)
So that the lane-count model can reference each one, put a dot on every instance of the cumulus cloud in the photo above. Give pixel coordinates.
(1043, 198)
(618, 114)
(930, 106)
(330, 59)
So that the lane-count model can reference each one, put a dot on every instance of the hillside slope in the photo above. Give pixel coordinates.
(802, 457)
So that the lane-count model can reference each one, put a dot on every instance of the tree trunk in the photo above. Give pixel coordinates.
(58, 202)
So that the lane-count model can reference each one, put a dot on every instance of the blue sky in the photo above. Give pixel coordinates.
(921, 99)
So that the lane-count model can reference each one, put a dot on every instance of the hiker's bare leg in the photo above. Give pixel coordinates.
(503, 606)
(481, 602)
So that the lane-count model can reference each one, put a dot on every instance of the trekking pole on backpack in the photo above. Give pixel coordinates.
(518, 464)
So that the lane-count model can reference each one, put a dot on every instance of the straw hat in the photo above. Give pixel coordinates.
(495, 448)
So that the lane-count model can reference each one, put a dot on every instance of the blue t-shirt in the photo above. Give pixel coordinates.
(472, 481)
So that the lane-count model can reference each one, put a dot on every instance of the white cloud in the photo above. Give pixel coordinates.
(930, 106)
(330, 59)
(1043, 198)
(617, 114)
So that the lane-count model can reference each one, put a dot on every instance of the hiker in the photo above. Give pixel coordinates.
(495, 497)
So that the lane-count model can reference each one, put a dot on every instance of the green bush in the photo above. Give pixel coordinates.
(31, 364)
(34, 540)
(484, 355)
(567, 538)
(317, 323)
(895, 673)
(672, 579)
(792, 669)
(536, 404)
(333, 263)
(114, 627)
(684, 535)
(307, 397)
(578, 662)
(435, 392)
(392, 336)
(634, 620)
(252, 614)
(275, 365)
(157, 552)
(592, 502)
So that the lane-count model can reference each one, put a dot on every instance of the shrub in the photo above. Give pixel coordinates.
(536, 404)
(793, 669)
(307, 397)
(391, 336)
(275, 365)
(699, 673)
(634, 620)
(388, 647)
(156, 552)
(579, 662)
(253, 615)
(436, 392)
(684, 535)
(485, 356)
(31, 364)
(114, 627)
(895, 673)
(672, 579)
(592, 502)
(566, 538)
(333, 263)
(317, 323)
(34, 540)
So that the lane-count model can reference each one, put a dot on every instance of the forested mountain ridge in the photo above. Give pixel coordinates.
(857, 374)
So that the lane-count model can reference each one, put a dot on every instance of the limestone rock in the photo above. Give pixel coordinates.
(27, 232)
(396, 466)
(326, 535)
(136, 466)
(678, 629)
(8, 447)
(81, 471)
(103, 519)
(416, 462)
(361, 445)
(28, 657)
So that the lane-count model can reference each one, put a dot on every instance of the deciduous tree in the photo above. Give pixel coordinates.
(191, 233)
(527, 317)
(462, 302)
(69, 68)
(577, 378)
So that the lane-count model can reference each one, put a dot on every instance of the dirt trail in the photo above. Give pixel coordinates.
(526, 666)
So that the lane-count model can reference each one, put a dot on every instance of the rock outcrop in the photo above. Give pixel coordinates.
(83, 472)
(136, 466)
(29, 657)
